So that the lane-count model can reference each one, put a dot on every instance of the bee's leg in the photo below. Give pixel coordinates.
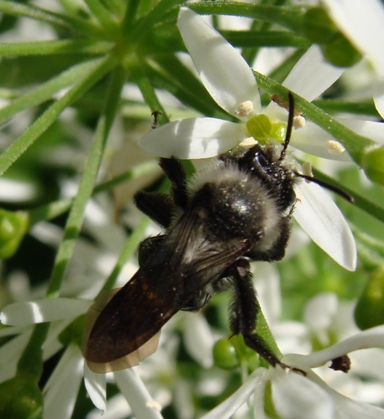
(277, 250)
(245, 308)
(158, 206)
(176, 174)
(147, 247)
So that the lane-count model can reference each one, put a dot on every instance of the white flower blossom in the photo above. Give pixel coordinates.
(231, 83)
(362, 22)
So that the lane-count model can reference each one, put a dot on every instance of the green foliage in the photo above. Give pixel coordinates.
(97, 49)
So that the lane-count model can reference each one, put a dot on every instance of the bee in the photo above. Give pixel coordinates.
(236, 210)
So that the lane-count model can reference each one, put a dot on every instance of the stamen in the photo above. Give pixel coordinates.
(334, 147)
(248, 142)
(307, 170)
(299, 122)
(244, 109)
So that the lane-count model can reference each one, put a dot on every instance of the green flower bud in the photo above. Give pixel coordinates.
(21, 398)
(369, 310)
(318, 27)
(13, 226)
(224, 355)
(373, 165)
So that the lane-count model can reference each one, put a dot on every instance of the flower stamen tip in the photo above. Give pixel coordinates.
(307, 170)
(244, 109)
(334, 147)
(299, 122)
(154, 405)
(248, 142)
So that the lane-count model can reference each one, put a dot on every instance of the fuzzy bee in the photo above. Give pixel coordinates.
(234, 211)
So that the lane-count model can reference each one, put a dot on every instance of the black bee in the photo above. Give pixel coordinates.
(236, 210)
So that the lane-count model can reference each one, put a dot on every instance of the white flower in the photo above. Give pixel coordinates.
(62, 388)
(362, 22)
(295, 396)
(231, 83)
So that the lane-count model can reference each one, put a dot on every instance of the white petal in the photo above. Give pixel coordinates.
(363, 23)
(137, 395)
(312, 75)
(313, 140)
(322, 220)
(353, 409)
(267, 282)
(63, 386)
(320, 311)
(198, 339)
(371, 129)
(194, 138)
(371, 338)
(223, 71)
(378, 95)
(96, 388)
(296, 397)
(43, 311)
(10, 354)
(228, 407)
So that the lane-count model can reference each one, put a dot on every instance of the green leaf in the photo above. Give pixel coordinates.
(13, 152)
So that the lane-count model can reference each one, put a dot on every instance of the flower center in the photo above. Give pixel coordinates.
(263, 130)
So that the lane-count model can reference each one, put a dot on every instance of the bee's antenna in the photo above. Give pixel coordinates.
(291, 114)
(326, 185)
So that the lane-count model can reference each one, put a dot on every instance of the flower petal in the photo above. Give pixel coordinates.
(223, 71)
(137, 395)
(371, 338)
(363, 23)
(229, 406)
(10, 354)
(63, 386)
(296, 397)
(322, 220)
(370, 129)
(198, 339)
(313, 140)
(43, 311)
(312, 75)
(96, 388)
(194, 138)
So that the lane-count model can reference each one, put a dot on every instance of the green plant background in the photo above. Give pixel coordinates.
(96, 49)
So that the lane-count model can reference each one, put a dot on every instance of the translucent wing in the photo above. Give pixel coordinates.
(179, 268)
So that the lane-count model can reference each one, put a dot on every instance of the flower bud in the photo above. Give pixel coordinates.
(373, 165)
(13, 226)
(369, 309)
(21, 398)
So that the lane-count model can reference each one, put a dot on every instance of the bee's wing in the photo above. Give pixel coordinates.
(182, 265)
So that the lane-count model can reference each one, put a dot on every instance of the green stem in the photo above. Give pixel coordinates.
(45, 91)
(87, 183)
(150, 96)
(355, 144)
(12, 153)
(64, 46)
(31, 360)
(103, 15)
(265, 39)
(61, 21)
(128, 250)
(287, 16)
